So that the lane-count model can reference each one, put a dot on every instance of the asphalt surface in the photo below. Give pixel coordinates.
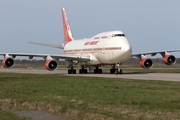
(129, 75)
(40, 115)
(140, 76)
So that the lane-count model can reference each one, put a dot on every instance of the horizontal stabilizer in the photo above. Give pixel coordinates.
(47, 45)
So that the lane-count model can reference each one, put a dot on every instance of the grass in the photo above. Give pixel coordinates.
(89, 98)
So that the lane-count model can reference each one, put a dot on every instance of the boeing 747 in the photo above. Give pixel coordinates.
(106, 48)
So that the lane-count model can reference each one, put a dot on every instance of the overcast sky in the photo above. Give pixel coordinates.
(149, 25)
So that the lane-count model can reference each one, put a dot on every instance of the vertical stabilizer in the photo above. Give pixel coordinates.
(67, 30)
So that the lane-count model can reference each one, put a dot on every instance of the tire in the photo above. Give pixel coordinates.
(116, 71)
(85, 71)
(74, 71)
(95, 71)
(99, 70)
(69, 72)
(112, 71)
(120, 72)
(80, 71)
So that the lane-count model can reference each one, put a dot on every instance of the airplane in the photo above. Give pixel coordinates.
(106, 48)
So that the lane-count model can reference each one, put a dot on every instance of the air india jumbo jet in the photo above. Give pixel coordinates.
(106, 48)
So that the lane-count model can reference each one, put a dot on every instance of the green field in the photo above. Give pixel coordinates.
(89, 98)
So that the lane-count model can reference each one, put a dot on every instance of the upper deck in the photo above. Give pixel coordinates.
(106, 35)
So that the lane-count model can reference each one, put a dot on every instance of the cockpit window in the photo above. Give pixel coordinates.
(118, 35)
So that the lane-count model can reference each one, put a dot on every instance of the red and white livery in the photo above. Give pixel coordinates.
(106, 48)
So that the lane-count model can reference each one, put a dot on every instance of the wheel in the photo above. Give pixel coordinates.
(80, 71)
(99, 70)
(112, 71)
(95, 70)
(74, 71)
(120, 72)
(69, 72)
(117, 71)
(85, 71)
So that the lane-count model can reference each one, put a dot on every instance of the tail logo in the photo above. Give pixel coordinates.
(67, 30)
(66, 21)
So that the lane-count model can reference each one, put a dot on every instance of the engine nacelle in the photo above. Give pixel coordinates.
(169, 59)
(8, 62)
(146, 63)
(51, 65)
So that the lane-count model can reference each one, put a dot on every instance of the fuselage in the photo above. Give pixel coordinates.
(104, 49)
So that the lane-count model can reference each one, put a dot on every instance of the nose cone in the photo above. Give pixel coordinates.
(126, 50)
(126, 47)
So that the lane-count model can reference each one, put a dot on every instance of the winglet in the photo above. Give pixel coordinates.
(67, 30)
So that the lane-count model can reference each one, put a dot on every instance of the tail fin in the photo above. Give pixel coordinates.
(67, 30)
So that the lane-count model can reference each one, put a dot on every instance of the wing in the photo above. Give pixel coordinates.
(47, 45)
(153, 53)
(148, 63)
(82, 58)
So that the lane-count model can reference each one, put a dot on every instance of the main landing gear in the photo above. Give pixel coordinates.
(97, 70)
(71, 69)
(82, 70)
(114, 70)
(71, 66)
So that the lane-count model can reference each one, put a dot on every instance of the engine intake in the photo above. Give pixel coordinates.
(8, 62)
(51, 65)
(146, 63)
(169, 59)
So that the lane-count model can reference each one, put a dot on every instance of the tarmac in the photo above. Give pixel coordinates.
(129, 75)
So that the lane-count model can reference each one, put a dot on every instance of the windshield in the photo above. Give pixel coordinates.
(118, 35)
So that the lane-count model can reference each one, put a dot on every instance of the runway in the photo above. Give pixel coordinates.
(129, 75)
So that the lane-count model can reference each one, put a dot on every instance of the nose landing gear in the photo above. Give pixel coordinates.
(116, 69)
(113, 69)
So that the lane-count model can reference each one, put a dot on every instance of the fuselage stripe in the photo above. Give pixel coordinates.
(93, 50)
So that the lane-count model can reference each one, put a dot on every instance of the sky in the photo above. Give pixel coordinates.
(149, 25)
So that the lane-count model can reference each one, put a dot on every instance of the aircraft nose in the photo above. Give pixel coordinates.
(127, 49)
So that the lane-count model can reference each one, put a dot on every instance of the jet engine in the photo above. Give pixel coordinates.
(169, 59)
(51, 65)
(8, 62)
(146, 63)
